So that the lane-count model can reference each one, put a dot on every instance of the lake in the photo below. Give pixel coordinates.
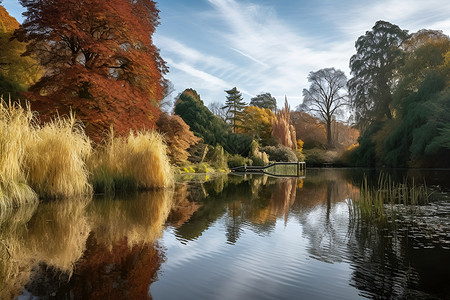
(231, 237)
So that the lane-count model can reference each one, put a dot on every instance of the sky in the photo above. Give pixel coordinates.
(270, 46)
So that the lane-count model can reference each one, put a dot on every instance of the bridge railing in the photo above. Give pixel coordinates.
(294, 169)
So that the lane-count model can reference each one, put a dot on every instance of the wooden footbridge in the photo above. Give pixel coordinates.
(281, 169)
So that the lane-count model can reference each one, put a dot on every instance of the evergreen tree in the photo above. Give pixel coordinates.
(264, 101)
(234, 105)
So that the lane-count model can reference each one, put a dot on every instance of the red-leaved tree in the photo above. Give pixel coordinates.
(99, 61)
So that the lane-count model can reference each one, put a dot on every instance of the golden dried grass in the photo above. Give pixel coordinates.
(16, 128)
(138, 161)
(55, 159)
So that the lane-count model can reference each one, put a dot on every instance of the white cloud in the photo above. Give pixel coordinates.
(258, 51)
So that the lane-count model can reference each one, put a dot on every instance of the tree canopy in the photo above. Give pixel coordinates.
(99, 60)
(264, 100)
(212, 129)
(418, 133)
(17, 73)
(378, 56)
(326, 95)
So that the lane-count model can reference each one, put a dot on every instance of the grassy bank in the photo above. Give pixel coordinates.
(58, 160)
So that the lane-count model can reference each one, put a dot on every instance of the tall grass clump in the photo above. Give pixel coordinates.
(16, 130)
(55, 159)
(372, 200)
(136, 162)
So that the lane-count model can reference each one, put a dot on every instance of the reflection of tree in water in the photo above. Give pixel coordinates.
(183, 205)
(387, 263)
(54, 235)
(380, 266)
(252, 201)
(106, 250)
(321, 210)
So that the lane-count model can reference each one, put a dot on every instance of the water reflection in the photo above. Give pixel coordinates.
(385, 261)
(291, 237)
(84, 249)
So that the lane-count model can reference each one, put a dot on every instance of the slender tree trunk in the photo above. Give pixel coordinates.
(329, 137)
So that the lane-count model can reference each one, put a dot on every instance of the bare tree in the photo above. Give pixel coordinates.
(217, 109)
(326, 95)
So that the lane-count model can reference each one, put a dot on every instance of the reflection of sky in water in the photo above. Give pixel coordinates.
(276, 266)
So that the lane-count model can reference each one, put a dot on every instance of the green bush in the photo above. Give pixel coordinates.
(238, 160)
(280, 153)
(217, 157)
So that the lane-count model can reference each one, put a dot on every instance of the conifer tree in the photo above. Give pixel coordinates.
(234, 105)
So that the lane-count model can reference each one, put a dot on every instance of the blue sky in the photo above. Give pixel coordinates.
(270, 46)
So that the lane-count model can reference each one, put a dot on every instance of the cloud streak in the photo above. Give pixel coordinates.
(251, 46)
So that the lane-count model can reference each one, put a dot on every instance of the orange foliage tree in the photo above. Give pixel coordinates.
(99, 60)
(310, 129)
(178, 136)
(282, 129)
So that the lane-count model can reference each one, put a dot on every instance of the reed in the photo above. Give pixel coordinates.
(371, 201)
(136, 162)
(55, 159)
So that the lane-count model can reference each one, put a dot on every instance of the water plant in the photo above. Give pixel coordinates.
(372, 199)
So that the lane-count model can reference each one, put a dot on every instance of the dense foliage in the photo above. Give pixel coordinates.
(417, 132)
(378, 55)
(99, 60)
(264, 100)
(17, 73)
(212, 129)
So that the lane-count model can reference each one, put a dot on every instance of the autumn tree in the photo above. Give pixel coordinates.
(257, 122)
(309, 128)
(424, 51)
(325, 96)
(99, 60)
(178, 136)
(234, 105)
(378, 56)
(17, 73)
(264, 100)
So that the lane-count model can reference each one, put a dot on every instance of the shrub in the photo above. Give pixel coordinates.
(280, 153)
(178, 137)
(217, 157)
(237, 161)
(259, 158)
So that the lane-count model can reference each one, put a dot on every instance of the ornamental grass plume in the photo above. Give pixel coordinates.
(16, 130)
(55, 159)
(136, 162)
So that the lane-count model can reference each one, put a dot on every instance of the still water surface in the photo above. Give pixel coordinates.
(231, 237)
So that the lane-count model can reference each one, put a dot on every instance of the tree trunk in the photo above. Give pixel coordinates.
(329, 138)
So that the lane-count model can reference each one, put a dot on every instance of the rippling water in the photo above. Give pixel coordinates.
(231, 237)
